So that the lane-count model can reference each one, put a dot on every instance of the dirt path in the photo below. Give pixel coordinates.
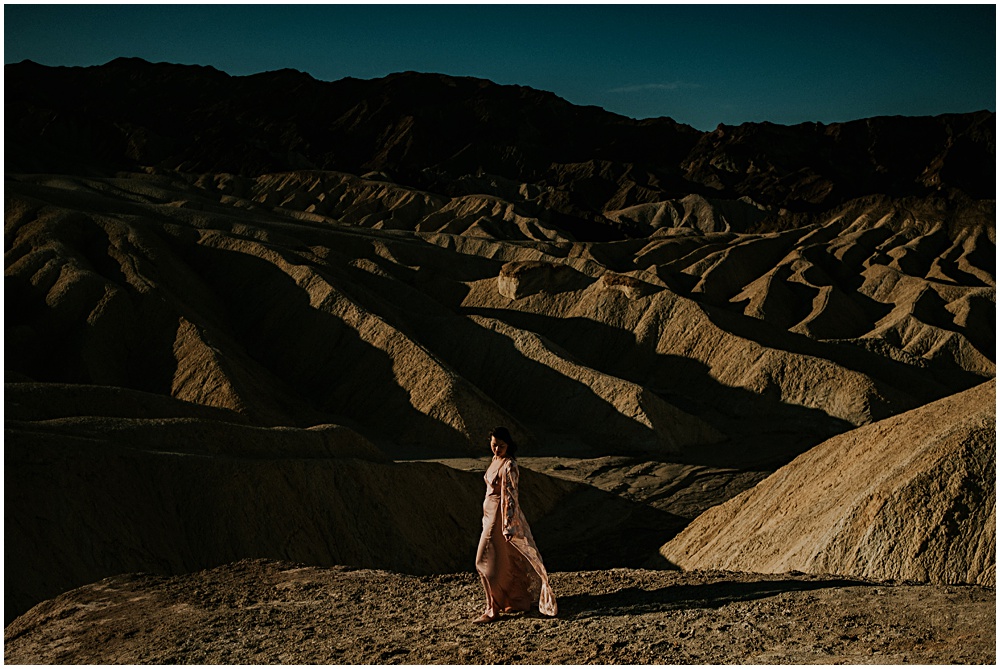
(273, 612)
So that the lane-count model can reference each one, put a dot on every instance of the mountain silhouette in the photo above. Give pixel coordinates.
(428, 131)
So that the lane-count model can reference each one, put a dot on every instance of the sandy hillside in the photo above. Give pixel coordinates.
(911, 497)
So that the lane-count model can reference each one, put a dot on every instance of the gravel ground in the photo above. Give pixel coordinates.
(258, 611)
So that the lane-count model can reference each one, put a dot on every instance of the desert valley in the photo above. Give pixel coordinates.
(258, 329)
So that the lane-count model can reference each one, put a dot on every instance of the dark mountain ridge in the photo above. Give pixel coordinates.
(428, 130)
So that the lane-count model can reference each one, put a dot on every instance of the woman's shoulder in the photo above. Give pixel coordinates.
(509, 465)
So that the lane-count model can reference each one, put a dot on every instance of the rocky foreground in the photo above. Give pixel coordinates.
(263, 612)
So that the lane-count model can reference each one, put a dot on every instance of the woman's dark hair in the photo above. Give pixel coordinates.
(503, 434)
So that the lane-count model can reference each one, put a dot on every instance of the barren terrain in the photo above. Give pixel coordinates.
(256, 612)
(270, 341)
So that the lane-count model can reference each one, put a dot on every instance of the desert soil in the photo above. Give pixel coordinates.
(256, 611)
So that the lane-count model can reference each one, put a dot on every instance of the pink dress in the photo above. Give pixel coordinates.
(511, 571)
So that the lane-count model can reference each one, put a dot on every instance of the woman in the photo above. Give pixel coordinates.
(507, 560)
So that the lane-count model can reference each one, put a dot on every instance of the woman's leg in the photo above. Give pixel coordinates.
(486, 565)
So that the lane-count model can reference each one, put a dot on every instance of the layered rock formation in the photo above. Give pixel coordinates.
(427, 338)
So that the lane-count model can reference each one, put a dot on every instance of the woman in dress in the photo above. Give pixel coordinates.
(508, 561)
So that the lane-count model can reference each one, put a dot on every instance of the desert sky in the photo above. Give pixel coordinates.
(698, 64)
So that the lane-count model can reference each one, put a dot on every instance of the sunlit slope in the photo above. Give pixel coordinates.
(912, 497)
(426, 339)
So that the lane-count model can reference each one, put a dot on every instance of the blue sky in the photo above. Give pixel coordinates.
(699, 64)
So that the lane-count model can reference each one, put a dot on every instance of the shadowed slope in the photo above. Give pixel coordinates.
(93, 496)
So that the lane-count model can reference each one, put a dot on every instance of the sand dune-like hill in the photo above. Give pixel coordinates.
(912, 497)
(257, 317)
